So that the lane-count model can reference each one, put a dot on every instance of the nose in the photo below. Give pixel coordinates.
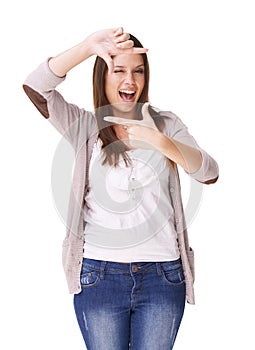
(129, 78)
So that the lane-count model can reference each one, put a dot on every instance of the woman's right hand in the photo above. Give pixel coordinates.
(110, 42)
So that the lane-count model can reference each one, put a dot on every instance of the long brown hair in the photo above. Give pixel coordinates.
(112, 146)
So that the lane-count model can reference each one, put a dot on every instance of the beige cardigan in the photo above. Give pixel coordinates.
(80, 128)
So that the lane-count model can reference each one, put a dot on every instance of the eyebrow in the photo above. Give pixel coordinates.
(118, 66)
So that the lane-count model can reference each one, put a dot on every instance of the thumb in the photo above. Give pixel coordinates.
(145, 111)
(147, 118)
(109, 61)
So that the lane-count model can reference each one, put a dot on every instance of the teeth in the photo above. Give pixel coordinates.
(127, 92)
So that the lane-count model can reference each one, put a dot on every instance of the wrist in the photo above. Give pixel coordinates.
(87, 47)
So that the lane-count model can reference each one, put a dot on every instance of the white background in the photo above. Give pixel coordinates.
(202, 68)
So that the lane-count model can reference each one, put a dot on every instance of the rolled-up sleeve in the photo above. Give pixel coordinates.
(40, 87)
(42, 79)
(209, 170)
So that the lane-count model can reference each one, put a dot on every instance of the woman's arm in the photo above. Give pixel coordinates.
(182, 149)
(40, 85)
(189, 158)
(104, 43)
(194, 160)
(144, 134)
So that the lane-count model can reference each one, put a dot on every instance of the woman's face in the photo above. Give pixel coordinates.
(125, 84)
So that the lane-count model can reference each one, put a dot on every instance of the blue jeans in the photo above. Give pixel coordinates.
(136, 306)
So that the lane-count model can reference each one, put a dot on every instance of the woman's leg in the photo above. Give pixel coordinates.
(157, 308)
(102, 308)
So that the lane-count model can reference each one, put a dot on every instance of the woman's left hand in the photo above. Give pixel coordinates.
(140, 133)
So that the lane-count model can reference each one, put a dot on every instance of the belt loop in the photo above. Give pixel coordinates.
(159, 268)
(102, 267)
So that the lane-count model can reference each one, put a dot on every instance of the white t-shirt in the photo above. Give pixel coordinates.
(128, 214)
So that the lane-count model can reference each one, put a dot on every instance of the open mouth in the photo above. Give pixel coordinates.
(127, 96)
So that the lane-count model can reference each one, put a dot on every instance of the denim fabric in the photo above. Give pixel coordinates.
(137, 306)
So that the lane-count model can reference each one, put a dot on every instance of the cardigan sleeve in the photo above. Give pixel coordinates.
(68, 119)
(176, 129)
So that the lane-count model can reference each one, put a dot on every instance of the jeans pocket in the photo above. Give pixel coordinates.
(173, 273)
(89, 277)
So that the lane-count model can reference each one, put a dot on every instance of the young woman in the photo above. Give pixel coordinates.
(126, 253)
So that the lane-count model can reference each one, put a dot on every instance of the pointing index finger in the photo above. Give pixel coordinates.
(122, 121)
